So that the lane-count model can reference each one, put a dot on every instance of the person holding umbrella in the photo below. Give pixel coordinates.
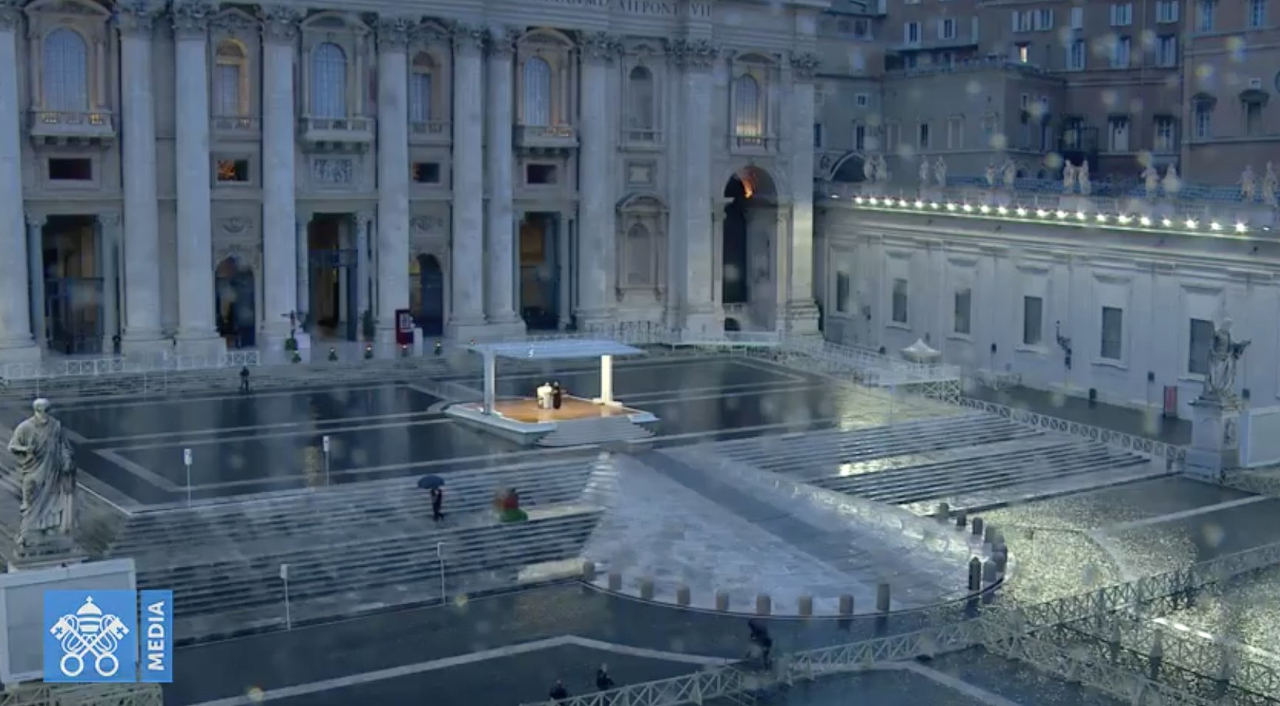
(435, 484)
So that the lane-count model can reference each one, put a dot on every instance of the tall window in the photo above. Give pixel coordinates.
(842, 292)
(1077, 54)
(1200, 343)
(537, 92)
(639, 256)
(1166, 135)
(328, 81)
(1203, 114)
(946, 28)
(955, 132)
(892, 136)
(963, 310)
(859, 136)
(1112, 332)
(641, 103)
(1252, 117)
(911, 33)
(922, 133)
(1167, 11)
(747, 110)
(230, 76)
(1032, 320)
(1205, 11)
(1257, 13)
(1120, 53)
(1122, 14)
(899, 301)
(1167, 50)
(1119, 133)
(65, 72)
(421, 89)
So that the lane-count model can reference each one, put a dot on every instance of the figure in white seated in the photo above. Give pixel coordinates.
(544, 396)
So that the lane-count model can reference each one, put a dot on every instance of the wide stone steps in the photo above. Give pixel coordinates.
(487, 553)
(927, 481)
(590, 432)
(336, 512)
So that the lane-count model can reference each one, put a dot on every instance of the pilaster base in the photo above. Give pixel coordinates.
(589, 319)
(145, 346)
(21, 352)
(802, 319)
(1215, 437)
(508, 327)
(465, 331)
(702, 322)
(206, 345)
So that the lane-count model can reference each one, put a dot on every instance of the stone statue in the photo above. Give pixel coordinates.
(1224, 355)
(1068, 177)
(1172, 184)
(924, 172)
(1270, 183)
(48, 474)
(1248, 184)
(940, 172)
(869, 169)
(991, 174)
(1082, 176)
(1151, 179)
(1010, 173)
(882, 169)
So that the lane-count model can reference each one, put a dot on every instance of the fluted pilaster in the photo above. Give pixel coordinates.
(597, 279)
(393, 172)
(499, 215)
(16, 341)
(279, 219)
(467, 253)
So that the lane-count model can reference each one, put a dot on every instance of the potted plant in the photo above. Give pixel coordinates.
(296, 357)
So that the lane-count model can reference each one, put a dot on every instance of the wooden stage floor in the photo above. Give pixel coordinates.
(526, 411)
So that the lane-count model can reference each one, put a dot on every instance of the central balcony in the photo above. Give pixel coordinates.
(62, 127)
(753, 144)
(337, 132)
(236, 127)
(430, 132)
(546, 137)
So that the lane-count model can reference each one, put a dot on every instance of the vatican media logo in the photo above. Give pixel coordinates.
(94, 637)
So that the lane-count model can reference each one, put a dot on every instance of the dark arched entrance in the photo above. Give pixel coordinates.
(748, 188)
(731, 324)
(234, 299)
(427, 299)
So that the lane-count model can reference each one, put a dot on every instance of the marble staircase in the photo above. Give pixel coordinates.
(594, 432)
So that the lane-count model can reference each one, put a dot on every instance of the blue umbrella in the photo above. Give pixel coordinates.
(430, 482)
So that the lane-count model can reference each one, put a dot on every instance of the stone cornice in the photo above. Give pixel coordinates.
(467, 38)
(192, 17)
(502, 41)
(692, 54)
(280, 23)
(36, 220)
(804, 65)
(233, 23)
(394, 32)
(600, 47)
(137, 17)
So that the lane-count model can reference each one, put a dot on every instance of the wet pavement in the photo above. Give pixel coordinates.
(1149, 423)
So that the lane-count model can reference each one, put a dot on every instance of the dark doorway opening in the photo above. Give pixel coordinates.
(540, 271)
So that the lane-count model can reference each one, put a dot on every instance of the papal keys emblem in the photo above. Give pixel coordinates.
(89, 632)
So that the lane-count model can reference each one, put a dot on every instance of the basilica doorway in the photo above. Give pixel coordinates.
(334, 304)
(540, 271)
(73, 285)
(236, 304)
(747, 236)
(426, 294)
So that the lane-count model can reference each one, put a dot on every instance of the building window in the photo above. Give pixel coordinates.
(65, 72)
(536, 77)
(328, 81)
(1022, 21)
(641, 104)
(892, 136)
(1077, 18)
(748, 112)
(639, 257)
(946, 28)
(1122, 14)
(540, 174)
(1203, 114)
(923, 135)
(420, 89)
(861, 28)
(1119, 133)
(1199, 345)
(1022, 53)
(1252, 118)
(1120, 53)
(232, 171)
(1167, 11)
(1257, 14)
(1032, 320)
(1205, 11)
(859, 136)
(1167, 50)
(1043, 20)
(230, 80)
(861, 100)
(817, 136)
(899, 301)
(1076, 55)
(955, 132)
(990, 126)
(1112, 330)
(1166, 135)
(963, 308)
(842, 292)
(71, 169)
(426, 173)
(911, 33)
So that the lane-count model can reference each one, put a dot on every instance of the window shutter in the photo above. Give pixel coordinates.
(1015, 20)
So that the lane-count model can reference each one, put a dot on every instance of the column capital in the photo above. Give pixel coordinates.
(10, 14)
(191, 17)
(502, 41)
(36, 220)
(600, 47)
(280, 23)
(692, 54)
(137, 17)
(393, 32)
(804, 65)
(110, 219)
(467, 38)
(363, 217)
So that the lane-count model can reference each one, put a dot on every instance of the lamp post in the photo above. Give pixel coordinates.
(186, 461)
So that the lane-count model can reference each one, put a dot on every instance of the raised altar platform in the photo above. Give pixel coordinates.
(521, 419)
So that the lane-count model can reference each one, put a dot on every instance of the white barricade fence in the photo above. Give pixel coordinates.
(1260, 437)
(124, 365)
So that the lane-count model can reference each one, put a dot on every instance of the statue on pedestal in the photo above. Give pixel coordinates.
(940, 172)
(1151, 180)
(924, 172)
(1248, 184)
(882, 169)
(991, 174)
(1086, 186)
(1172, 184)
(1010, 173)
(1224, 355)
(869, 169)
(1068, 177)
(47, 471)
(1270, 183)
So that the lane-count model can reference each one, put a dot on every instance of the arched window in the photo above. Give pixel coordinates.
(66, 72)
(420, 88)
(328, 82)
(537, 92)
(747, 113)
(641, 106)
(230, 80)
(639, 251)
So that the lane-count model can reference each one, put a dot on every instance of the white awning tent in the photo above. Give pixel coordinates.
(568, 349)
(921, 352)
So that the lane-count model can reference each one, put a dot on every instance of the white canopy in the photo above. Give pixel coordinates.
(564, 349)
(920, 352)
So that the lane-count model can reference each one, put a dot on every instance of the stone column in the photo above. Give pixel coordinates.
(500, 159)
(360, 280)
(279, 221)
(197, 332)
(303, 305)
(142, 318)
(717, 254)
(35, 270)
(780, 267)
(801, 309)
(597, 282)
(393, 173)
(16, 342)
(696, 58)
(110, 228)
(467, 321)
(565, 228)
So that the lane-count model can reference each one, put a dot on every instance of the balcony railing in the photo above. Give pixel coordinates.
(337, 130)
(235, 124)
(546, 136)
(62, 124)
(754, 143)
(637, 137)
(430, 131)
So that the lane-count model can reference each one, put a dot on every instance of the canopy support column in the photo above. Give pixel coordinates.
(490, 380)
(606, 379)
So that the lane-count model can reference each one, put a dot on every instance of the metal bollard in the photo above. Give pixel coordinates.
(991, 572)
(646, 589)
(615, 581)
(989, 535)
(977, 526)
(722, 600)
(805, 608)
(682, 596)
(588, 571)
(846, 604)
(882, 598)
(943, 512)
(975, 574)
(764, 604)
(962, 520)
(1000, 560)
